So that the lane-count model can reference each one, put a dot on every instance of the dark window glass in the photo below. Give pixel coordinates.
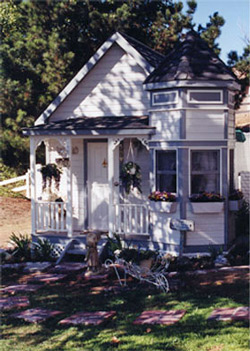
(164, 98)
(166, 171)
(205, 96)
(205, 171)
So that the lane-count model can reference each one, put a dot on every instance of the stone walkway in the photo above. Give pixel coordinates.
(97, 284)
(88, 318)
(230, 314)
(160, 317)
(9, 303)
(36, 315)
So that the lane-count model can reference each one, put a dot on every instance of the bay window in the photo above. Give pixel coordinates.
(166, 170)
(205, 171)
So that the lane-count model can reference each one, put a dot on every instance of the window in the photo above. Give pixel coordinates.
(164, 98)
(205, 97)
(166, 171)
(205, 171)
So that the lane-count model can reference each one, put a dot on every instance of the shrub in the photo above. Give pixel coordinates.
(43, 250)
(22, 249)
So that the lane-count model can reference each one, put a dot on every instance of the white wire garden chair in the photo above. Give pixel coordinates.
(154, 275)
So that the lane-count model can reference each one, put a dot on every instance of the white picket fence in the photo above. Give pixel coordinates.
(131, 219)
(26, 187)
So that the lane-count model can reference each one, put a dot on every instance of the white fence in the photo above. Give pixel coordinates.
(26, 187)
(131, 219)
(50, 216)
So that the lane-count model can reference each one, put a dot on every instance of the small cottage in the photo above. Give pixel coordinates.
(140, 145)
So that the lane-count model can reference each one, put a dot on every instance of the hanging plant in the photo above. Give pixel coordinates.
(131, 176)
(49, 172)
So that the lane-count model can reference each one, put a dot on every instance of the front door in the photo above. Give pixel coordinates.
(98, 188)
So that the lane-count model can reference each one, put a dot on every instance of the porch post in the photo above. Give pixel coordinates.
(33, 183)
(111, 182)
(69, 224)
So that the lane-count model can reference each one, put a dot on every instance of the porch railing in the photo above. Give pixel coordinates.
(51, 216)
(131, 219)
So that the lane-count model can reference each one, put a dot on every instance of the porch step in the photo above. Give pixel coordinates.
(77, 252)
(74, 247)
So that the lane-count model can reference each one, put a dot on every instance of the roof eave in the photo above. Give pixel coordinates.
(93, 132)
(230, 84)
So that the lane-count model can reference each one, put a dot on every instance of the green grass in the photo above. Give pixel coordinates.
(192, 333)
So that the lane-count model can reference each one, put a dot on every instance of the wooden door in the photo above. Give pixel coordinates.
(98, 187)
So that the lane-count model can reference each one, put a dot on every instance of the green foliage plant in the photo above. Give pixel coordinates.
(49, 172)
(22, 247)
(131, 176)
(43, 250)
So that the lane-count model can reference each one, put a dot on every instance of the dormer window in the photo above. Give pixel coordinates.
(205, 96)
(164, 98)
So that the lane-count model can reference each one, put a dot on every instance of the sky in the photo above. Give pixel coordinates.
(237, 22)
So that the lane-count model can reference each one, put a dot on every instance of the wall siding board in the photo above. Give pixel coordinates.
(167, 124)
(112, 88)
(209, 229)
(205, 124)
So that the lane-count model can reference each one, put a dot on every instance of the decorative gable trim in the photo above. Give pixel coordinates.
(115, 38)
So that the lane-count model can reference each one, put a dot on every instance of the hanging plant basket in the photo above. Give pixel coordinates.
(131, 176)
(49, 172)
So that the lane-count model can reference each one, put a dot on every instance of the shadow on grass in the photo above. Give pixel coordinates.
(128, 305)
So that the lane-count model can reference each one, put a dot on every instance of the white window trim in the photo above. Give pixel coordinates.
(164, 93)
(200, 148)
(204, 91)
(177, 167)
(231, 96)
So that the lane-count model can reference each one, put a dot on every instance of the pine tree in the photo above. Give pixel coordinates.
(44, 43)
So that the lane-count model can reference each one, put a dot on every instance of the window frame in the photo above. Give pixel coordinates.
(167, 172)
(165, 93)
(190, 165)
(204, 91)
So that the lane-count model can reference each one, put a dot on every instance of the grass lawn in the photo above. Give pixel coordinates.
(192, 333)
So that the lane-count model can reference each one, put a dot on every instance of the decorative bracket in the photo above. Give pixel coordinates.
(116, 142)
(144, 142)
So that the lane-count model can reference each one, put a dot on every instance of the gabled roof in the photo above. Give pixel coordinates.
(191, 60)
(95, 126)
(147, 58)
(153, 57)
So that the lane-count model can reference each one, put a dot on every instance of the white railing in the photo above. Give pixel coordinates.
(51, 216)
(26, 187)
(131, 219)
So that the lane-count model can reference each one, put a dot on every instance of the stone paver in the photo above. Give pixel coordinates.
(20, 287)
(9, 303)
(160, 317)
(88, 318)
(69, 267)
(31, 267)
(229, 314)
(241, 314)
(46, 278)
(36, 315)
(89, 276)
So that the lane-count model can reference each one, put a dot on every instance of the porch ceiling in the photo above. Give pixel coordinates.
(95, 126)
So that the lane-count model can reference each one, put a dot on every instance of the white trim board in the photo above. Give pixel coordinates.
(115, 38)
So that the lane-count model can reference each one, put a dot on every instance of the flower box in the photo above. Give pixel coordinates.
(163, 206)
(207, 207)
(235, 205)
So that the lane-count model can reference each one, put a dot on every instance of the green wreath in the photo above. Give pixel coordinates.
(131, 176)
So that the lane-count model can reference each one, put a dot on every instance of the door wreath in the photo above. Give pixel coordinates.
(131, 176)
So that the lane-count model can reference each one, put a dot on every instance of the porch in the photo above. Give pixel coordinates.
(90, 195)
